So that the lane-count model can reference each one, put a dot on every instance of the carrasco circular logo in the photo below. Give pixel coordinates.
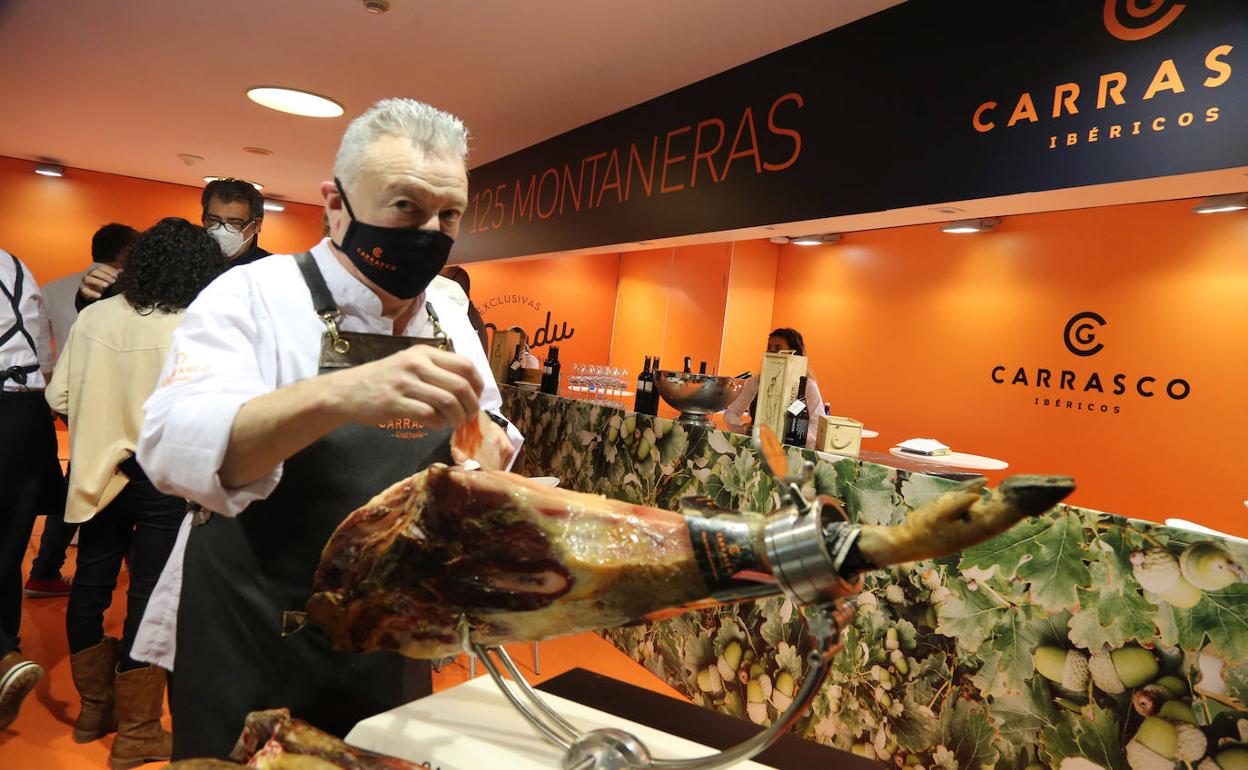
(1080, 334)
(1089, 392)
(1133, 20)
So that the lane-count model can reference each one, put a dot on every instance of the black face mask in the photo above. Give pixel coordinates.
(400, 260)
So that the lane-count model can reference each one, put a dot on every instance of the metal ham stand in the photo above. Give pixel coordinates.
(806, 572)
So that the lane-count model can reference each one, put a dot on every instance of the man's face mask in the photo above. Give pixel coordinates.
(231, 239)
(400, 260)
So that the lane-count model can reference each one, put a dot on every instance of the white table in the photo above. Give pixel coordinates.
(955, 460)
(473, 727)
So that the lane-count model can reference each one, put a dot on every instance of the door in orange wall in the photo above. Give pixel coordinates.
(49, 221)
(570, 300)
(641, 308)
(907, 328)
(695, 308)
(751, 297)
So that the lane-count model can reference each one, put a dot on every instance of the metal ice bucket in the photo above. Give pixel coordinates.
(697, 396)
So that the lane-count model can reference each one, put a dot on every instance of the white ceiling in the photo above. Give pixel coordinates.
(123, 86)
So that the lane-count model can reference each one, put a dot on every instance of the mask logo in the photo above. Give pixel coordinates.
(1143, 19)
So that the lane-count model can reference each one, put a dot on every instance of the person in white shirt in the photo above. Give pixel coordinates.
(109, 247)
(279, 417)
(746, 402)
(27, 448)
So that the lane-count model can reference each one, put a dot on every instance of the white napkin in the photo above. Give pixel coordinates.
(924, 446)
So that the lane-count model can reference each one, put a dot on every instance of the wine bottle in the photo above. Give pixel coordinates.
(644, 383)
(550, 372)
(514, 370)
(652, 398)
(688, 365)
(797, 418)
(702, 368)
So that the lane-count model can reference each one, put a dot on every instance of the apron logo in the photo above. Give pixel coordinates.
(1143, 19)
(404, 428)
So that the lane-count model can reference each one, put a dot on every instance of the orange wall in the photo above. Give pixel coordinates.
(905, 326)
(49, 221)
(579, 291)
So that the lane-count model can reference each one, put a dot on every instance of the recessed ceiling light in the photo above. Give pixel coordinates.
(258, 150)
(968, 226)
(190, 159)
(256, 185)
(1220, 204)
(810, 240)
(376, 6)
(295, 102)
(948, 210)
(273, 205)
(49, 169)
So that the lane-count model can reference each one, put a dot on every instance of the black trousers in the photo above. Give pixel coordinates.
(27, 446)
(57, 534)
(141, 522)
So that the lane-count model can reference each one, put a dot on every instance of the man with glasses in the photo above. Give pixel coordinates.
(233, 214)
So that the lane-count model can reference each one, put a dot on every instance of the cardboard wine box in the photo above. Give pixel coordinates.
(779, 376)
(502, 350)
(838, 435)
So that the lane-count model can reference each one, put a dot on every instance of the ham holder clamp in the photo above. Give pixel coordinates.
(451, 560)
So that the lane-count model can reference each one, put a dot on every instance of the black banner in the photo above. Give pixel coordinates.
(927, 102)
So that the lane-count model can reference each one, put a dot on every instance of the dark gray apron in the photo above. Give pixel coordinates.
(242, 639)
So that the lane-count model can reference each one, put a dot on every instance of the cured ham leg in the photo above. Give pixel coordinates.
(522, 561)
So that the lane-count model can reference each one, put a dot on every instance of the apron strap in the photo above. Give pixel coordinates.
(15, 299)
(322, 299)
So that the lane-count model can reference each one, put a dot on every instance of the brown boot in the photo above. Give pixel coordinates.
(93, 670)
(140, 702)
(18, 676)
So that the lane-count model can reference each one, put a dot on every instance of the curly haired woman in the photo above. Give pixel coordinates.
(109, 367)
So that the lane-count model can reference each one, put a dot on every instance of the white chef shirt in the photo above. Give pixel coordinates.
(58, 302)
(250, 332)
(16, 351)
(737, 409)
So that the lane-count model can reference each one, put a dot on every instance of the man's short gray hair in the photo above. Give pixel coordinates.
(429, 129)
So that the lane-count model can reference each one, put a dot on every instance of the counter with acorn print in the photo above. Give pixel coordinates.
(1078, 640)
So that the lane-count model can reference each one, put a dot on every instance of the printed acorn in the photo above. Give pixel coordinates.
(1192, 743)
(1068, 668)
(1158, 572)
(1149, 699)
(756, 705)
(1209, 566)
(1155, 746)
(1177, 711)
(1235, 758)
(782, 693)
(709, 681)
(1123, 669)
(729, 662)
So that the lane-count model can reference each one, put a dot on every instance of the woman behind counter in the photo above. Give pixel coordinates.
(780, 339)
(110, 365)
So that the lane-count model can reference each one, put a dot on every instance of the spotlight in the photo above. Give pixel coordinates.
(50, 169)
(1220, 204)
(967, 226)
